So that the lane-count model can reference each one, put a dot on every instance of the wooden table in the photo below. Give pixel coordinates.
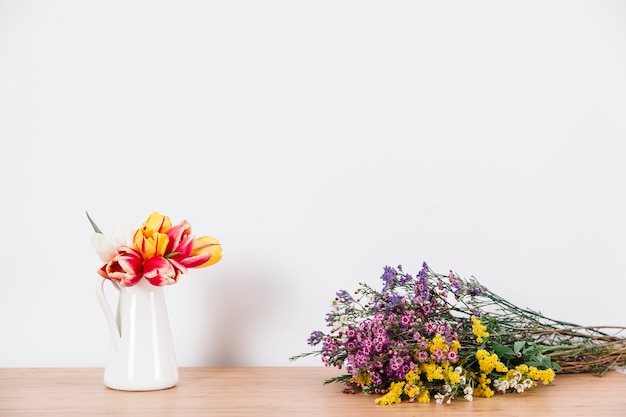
(282, 391)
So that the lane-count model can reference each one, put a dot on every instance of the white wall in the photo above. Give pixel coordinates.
(319, 141)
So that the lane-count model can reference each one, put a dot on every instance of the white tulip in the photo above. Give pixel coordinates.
(106, 245)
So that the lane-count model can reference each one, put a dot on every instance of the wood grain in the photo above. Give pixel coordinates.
(282, 391)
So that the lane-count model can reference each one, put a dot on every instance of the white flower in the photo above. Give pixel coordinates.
(501, 385)
(439, 398)
(469, 393)
(340, 325)
(106, 245)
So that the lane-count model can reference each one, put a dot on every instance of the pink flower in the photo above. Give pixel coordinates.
(184, 251)
(160, 271)
(125, 267)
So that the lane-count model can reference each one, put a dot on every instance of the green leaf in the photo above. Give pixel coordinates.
(93, 224)
(531, 351)
(503, 352)
(542, 361)
(518, 346)
(545, 361)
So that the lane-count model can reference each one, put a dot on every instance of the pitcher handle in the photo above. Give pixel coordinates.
(108, 313)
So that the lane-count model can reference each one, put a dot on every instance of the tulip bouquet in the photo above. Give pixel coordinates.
(158, 251)
(444, 337)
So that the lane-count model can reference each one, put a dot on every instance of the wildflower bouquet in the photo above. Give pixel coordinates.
(158, 251)
(443, 337)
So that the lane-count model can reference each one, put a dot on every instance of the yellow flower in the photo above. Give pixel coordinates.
(482, 389)
(393, 396)
(424, 397)
(451, 376)
(207, 244)
(151, 239)
(363, 378)
(438, 342)
(479, 329)
(546, 376)
(411, 377)
(411, 391)
(488, 362)
(432, 371)
(522, 369)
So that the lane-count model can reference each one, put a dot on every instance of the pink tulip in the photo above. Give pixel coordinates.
(125, 268)
(160, 271)
(181, 247)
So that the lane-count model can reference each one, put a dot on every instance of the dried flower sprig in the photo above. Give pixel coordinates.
(443, 337)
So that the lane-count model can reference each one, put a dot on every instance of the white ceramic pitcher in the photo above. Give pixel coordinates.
(142, 352)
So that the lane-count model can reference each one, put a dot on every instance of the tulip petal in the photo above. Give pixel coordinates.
(179, 236)
(196, 261)
(159, 271)
(125, 268)
(103, 247)
(207, 244)
(106, 245)
(150, 244)
(157, 222)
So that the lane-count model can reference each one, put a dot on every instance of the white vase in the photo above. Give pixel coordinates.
(142, 352)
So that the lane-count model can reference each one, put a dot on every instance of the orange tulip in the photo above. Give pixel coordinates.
(151, 239)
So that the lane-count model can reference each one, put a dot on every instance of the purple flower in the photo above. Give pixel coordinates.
(396, 363)
(392, 299)
(438, 355)
(376, 378)
(423, 272)
(443, 330)
(388, 276)
(474, 289)
(454, 283)
(404, 278)
(430, 327)
(315, 338)
(344, 296)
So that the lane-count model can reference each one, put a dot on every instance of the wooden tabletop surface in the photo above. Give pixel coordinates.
(282, 391)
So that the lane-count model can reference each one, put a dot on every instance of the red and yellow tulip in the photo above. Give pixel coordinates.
(126, 267)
